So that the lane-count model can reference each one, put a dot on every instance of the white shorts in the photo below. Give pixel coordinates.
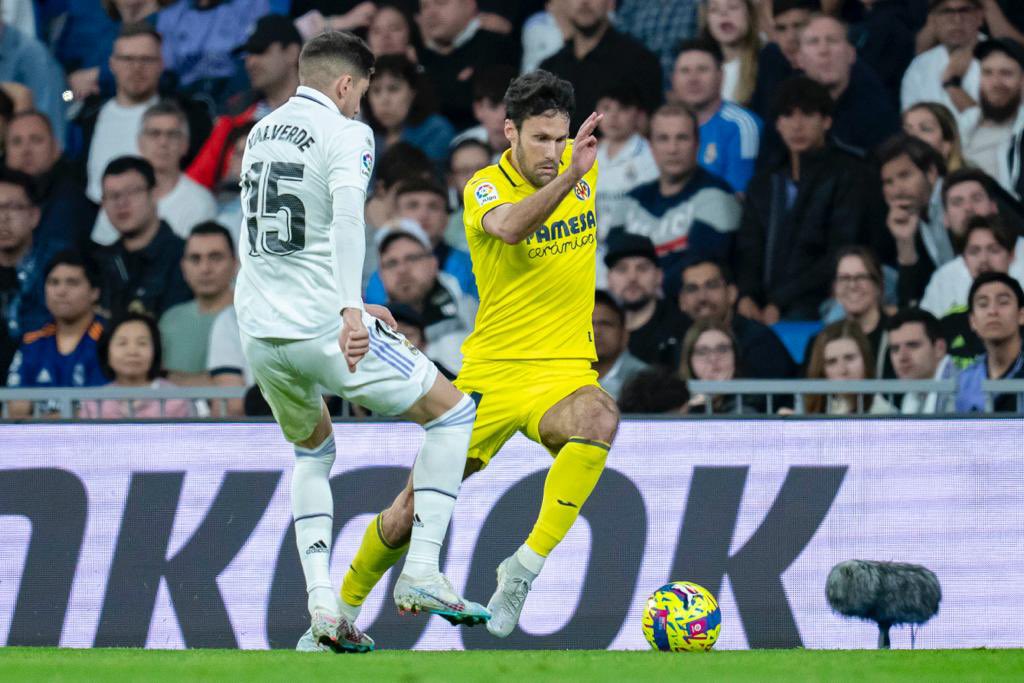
(388, 380)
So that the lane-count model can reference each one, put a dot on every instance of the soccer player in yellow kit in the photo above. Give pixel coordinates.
(532, 232)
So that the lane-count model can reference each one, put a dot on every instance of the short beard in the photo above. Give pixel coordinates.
(1000, 113)
(592, 30)
(525, 170)
(634, 306)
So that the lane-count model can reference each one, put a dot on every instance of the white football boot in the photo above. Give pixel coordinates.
(435, 595)
(514, 582)
(333, 633)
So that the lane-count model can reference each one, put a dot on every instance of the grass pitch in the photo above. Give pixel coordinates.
(113, 666)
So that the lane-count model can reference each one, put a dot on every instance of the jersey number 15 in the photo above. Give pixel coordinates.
(263, 206)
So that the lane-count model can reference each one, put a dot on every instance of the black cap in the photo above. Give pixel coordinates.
(1008, 46)
(623, 244)
(273, 28)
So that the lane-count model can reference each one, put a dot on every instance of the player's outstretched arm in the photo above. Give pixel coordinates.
(512, 223)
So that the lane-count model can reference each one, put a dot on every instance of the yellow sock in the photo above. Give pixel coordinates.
(569, 483)
(373, 558)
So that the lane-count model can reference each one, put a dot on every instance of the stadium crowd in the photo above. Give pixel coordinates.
(767, 167)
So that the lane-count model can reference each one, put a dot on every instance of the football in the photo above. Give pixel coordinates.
(682, 617)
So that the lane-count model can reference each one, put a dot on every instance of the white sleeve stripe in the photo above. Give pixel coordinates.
(750, 138)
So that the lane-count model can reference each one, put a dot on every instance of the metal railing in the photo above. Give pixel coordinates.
(772, 389)
(63, 402)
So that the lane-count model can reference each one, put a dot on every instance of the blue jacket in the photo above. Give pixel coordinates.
(455, 262)
(971, 399)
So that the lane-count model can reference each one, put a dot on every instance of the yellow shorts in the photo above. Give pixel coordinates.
(514, 395)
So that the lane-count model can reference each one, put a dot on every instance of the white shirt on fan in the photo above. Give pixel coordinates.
(304, 178)
(951, 282)
(116, 134)
(184, 207)
(922, 81)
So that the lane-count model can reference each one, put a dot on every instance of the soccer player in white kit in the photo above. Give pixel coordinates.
(303, 325)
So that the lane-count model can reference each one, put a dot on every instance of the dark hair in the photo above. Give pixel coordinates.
(492, 81)
(967, 175)
(75, 258)
(1000, 233)
(103, 347)
(33, 114)
(125, 164)
(866, 256)
(167, 108)
(400, 161)
(423, 103)
(800, 93)
(723, 269)
(537, 93)
(140, 28)
(603, 298)
(708, 47)
(626, 94)
(418, 184)
(907, 316)
(9, 176)
(676, 109)
(989, 278)
(920, 153)
(466, 144)
(339, 45)
(841, 329)
(213, 228)
(654, 391)
(698, 328)
(6, 106)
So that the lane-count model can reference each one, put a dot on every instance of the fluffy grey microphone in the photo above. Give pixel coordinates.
(888, 593)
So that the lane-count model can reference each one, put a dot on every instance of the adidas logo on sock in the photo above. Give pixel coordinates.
(416, 521)
(318, 547)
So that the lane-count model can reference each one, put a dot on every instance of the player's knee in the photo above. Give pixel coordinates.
(459, 417)
(602, 418)
(396, 523)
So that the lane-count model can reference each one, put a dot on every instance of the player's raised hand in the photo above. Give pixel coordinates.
(354, 339)
(584, 146)
(382, 313)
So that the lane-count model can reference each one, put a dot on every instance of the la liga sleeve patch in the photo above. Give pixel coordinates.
(485, 193)
(366, 163)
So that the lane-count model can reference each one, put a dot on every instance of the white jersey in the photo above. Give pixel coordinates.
(297, 159)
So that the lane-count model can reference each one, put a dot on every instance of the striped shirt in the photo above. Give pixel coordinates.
(729, 142)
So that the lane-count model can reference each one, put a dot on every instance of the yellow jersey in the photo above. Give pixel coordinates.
(537, 296)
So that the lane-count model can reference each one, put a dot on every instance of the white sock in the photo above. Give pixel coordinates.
(350, 612)
(436, 478)
(313, 511)
(530, 558)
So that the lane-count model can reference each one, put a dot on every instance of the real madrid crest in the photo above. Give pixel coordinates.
(710, 153)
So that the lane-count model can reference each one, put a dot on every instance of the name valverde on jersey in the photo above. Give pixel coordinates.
(296, 159)
(536, 297)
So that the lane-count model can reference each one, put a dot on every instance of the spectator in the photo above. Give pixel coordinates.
(912, 174)
(615, 365)
(598, 56)
(401, 107)
(968, 193)
(392, 32)
(947, 73)
(732, 25)
(6, 112)
(62, 353)
(800, 211)
(111, 129)
(467, 157)
(181, 201)
(918, 352)
(410, 325)
(456, 45)
(934, 124)
(655, 324)
(409, 272)
(653, 392)
(23, 257)
(709, 293)
(228, 189)
(988, 128)
(729, 134)
(489, 86)
(142, 269)
(711, 353)
(66, 214)
(996, 310)
(202, 36)
(623, 155)
(544, 33)
(779, 59)
(130, 355)
(660, 27)
(988, 246)
(87, 41)
(347, 15)
(687, 212)
(884, 36)
(272, 62)
(209, 266)
(225, 361)
(424, 204)
(28, 62)
(842, 353)
(858, 288)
